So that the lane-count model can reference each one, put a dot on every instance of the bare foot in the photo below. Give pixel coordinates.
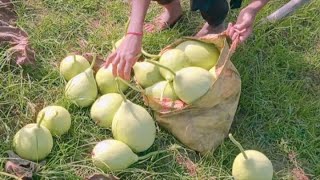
(207, 29)
(171, 14)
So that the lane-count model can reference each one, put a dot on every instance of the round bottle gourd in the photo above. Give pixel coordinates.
(106, 81)
(82, 89)
(33, 142)
(73, 65)
(113, 155)
(133, 125)
(56, 119)
(200, 54)
(175, 60)
(146, 74)
(162, 89)
(189, 83)
(251, 165)
(104, 108)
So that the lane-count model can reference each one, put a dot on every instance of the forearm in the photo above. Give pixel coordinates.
(257, 5)
(138, 12)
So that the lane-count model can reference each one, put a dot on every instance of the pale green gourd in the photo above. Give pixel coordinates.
(82, 89)
(191, 83)
(114, 155)
(146, 74)
(33, 142)
(175, 60)
(73, 65)
(56, 119)
(162, 89)
(106, 81)
(133, 125)
(200, 54)
(251, 165)
(104, 108)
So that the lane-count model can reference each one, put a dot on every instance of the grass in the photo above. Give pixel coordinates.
(278, 113)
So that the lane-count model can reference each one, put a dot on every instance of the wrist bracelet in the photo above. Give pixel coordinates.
(135, 33)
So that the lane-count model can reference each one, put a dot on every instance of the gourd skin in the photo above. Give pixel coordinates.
(173, 59)
(146, 74)
(256, 167)
(56, 119)
(106, 81)
(200, 54)
(103, 109)
(134, 126)
(191, 83)
(113, 155)
(82, 89)
(156, 90)
(73, 65)
(32, 142)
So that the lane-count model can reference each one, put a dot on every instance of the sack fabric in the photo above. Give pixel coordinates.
(203, 125)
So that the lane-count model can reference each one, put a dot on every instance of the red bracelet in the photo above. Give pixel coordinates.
(135, 33)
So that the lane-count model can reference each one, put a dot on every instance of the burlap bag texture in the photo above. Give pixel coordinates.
(203, 125)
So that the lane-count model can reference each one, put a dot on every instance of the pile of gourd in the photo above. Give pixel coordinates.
(184, 73)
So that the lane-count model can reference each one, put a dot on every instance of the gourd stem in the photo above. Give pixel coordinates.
(239, 146)
(131, 86)
(153, 56)
(41, 118)
(121, 93)
(151, 154)
(74, 59)
(164, 88)
(161, 66)
(93, 61)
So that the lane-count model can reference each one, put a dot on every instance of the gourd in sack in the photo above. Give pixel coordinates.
(162, 89)
(146, 74)
(251, 164)
(73, 65)
(115, 155)
(33, 142)
(200, 54)
(56, 119)
(189, 83)
(133, 125)
(104, 108)
(175, 60)
(82, 89)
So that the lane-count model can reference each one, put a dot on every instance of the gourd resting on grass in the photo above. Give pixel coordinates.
(56, 119)
(82, 89)
(133, 125)
(251, 164)
(33, 142)
(104, 108)
(115, 155)
(73, 65)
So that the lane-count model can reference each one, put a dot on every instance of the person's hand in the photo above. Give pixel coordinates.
(242, 29)
(124, 57)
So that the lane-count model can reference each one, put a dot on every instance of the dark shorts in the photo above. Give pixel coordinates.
(213, 11)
